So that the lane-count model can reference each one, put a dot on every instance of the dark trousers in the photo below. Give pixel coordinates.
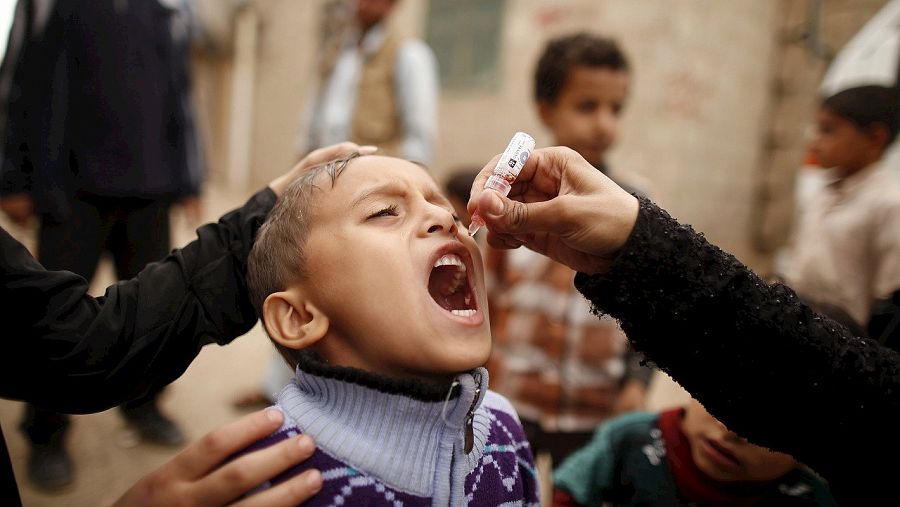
(135, 232)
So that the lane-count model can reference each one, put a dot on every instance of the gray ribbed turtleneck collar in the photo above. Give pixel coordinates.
(394, 437)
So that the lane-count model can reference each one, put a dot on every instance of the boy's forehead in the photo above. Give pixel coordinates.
(372, 170)
(372, 174)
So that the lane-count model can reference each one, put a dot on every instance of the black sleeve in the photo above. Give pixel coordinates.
(763, 363)
(71, 352)
(884, 324)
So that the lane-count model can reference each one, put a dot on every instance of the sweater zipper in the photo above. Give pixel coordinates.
(469, 435)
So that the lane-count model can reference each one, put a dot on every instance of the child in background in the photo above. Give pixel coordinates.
(682, 457)
(847, 245)
(372, 290)
(563, 369)
(458, 188)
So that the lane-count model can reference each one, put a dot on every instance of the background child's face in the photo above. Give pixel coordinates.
(379, 234)
(839, 143)
(724, 456)
(585, 115)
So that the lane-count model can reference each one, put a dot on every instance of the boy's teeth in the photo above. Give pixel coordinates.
(450, 260)
(463, 313)
(459, 279)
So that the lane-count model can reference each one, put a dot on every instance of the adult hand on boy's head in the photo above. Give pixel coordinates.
(559, 206)
(198, 476)
(317, 157)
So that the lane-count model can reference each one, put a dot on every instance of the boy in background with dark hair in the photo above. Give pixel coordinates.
(682, 456)
(685, 456)
(458, 187)
(564, 370)
(847, 245)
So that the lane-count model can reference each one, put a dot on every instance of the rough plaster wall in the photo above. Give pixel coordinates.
(284, 81)
(696, 124)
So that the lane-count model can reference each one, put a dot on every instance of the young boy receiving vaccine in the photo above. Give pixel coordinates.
(372, 290)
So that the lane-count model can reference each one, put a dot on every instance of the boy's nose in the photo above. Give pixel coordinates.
(605, 121)
(441, 220)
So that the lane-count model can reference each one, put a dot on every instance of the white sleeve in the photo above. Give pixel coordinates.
(416, 78)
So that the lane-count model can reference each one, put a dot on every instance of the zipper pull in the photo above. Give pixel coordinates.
(469, 441)
(469, 432)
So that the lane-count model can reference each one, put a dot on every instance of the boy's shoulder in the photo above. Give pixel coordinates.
(634, 437)
(502, 422)
(631, 424)
(502, 471)
(623, 464)
(804, 485)
(496, 401)
(343, 484)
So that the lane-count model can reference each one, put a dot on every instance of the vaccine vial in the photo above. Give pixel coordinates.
(506, 171)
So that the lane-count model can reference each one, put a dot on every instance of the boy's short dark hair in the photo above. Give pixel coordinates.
(865, 106)
(562, 54)
(277, 258)
(459, 184)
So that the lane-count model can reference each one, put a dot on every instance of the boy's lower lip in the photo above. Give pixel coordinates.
(720, 459)
(472, 320)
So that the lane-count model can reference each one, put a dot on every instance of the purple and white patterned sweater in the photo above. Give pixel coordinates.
(398, 447)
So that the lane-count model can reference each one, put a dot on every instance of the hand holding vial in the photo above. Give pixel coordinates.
(559, 206)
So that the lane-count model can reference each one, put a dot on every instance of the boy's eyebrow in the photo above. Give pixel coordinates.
(389, 188)
(392, 188)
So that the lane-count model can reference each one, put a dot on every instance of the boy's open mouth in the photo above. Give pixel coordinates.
(449, 286)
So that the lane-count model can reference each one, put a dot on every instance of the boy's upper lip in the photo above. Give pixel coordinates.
(455, 247)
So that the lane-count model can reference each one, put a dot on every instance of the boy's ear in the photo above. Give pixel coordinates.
(292, 320)
(545, 112)
(878, 134)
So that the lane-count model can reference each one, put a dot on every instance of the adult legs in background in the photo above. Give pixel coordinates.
(140, 235)
(73, 244)
(136, 232)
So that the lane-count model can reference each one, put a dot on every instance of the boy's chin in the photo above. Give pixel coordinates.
(460, 367)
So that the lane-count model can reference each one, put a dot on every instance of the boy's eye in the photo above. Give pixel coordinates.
(586, 107)
(390, 211)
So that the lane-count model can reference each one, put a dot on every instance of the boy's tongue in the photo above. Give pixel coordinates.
(448, 285)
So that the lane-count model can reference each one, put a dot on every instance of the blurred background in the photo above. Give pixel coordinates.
(722, 98)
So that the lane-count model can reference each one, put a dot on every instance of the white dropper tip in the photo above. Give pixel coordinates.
(477, 223)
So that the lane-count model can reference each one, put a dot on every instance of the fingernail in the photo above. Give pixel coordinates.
(495, 205)
(274, 415)
(314, 479)
(306, 443)
(367, 149)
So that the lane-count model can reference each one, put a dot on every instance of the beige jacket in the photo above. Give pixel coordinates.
(847, 245)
